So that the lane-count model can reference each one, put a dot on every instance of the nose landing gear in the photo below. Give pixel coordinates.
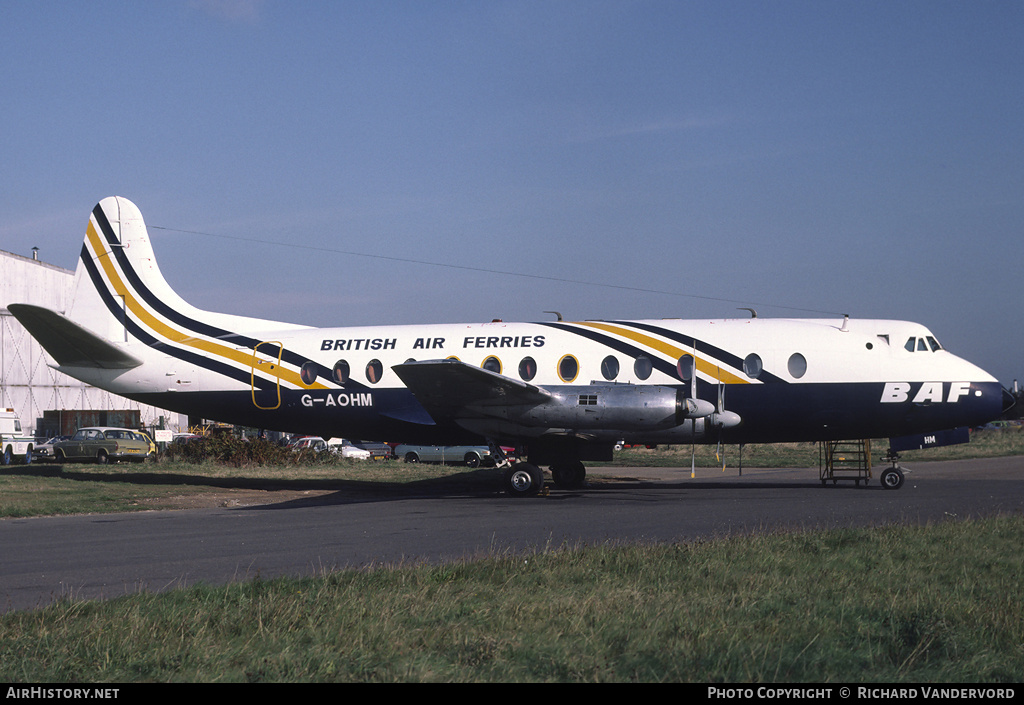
(892, 478)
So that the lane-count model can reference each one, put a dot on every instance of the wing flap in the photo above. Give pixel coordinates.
(68, 343)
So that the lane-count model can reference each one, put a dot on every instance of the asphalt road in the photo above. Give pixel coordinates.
(104, 556)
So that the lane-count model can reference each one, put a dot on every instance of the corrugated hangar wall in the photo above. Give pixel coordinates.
(27, 383)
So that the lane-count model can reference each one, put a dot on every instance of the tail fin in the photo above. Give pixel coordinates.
(116, 266)
(119, 291)
(87, 335)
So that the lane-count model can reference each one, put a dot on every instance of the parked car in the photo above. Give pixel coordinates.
(45, 450)
(378, 451)
(143, 436)
(102, 444)
(313, 443)
(346, 449)
(473, 456)
(340, 446)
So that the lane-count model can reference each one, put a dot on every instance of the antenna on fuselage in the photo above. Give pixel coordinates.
(753, 313)
(556, 313)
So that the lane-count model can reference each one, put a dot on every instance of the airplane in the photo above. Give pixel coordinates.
(565, 392)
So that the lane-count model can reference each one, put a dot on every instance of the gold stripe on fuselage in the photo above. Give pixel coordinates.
(673, 351)
(172, 334)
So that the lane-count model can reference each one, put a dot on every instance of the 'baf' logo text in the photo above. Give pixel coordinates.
(926, 392)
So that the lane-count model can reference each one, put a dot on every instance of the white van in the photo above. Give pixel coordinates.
(13, 442)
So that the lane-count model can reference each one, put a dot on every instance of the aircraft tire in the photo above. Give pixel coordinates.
(569, 476)
(524, 480)
(892, 478)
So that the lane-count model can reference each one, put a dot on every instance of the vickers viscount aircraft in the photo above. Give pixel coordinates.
(564, 392)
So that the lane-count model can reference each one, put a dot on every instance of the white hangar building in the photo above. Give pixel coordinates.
(27, 382)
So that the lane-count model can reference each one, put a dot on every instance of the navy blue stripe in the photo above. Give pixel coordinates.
(618, 345)
(177, 317)
(724, 355)
(116, 309)
(669, 368)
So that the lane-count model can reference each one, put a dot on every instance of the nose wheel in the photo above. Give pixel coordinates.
(892, 478)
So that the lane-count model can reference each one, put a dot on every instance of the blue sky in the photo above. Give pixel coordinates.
(603, 159)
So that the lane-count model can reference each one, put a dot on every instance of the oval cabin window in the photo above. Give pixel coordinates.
(797, 365)
(752, 366)
(568, 368)
(527, 368)
(643, 367)
(341, 372)
(374, 371)
(610, 367)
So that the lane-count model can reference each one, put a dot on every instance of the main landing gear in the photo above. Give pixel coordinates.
(527, 480)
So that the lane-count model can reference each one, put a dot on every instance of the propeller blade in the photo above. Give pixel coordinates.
(693, 449)
(718, 419)
(693, 436)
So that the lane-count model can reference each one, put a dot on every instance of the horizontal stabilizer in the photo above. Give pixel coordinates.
(68, 343)
(447, 388)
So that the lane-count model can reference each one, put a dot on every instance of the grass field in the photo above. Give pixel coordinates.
(935, 604)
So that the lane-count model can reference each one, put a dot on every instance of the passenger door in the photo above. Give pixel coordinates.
(266, 361)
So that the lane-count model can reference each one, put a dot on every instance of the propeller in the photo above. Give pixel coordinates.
(693, 434)
(719, 418)
(722, 418)
(719, 410)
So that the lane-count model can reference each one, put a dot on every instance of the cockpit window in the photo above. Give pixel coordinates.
(928, 344)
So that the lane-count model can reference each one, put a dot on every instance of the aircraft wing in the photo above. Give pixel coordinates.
(454, 389)
(68, 343)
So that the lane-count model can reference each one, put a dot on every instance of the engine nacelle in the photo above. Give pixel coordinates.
(627, 407)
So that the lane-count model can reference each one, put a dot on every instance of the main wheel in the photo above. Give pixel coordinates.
(892, 478)
(524, 480)
(569, 475)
